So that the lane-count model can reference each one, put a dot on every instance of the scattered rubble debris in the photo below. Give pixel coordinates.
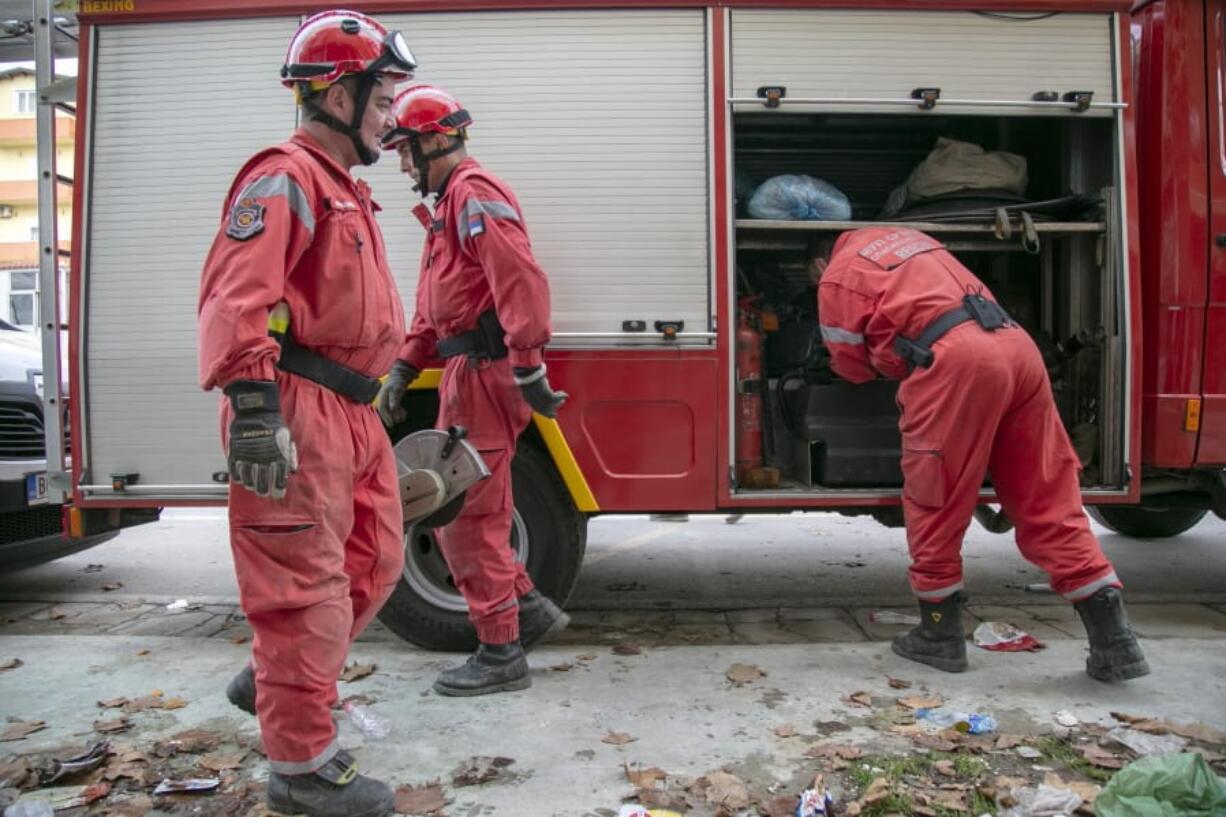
(427, 799)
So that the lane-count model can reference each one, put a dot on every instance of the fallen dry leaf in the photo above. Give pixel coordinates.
(17, 730)
(112, 703)
(55, 614)
(921, 701)
(238, 639)
(835, 750)
(785, 731)
(853, 809)
(19, 773)
(950, 800)
(1129, 719)
(644, 778)
(945, 767)
(1088, 792)
(877, 791)
(785, 806)
(114, 725)
(139, 773)
(898, 683)
(356, 672)
(142, 703)
(364, 700)
(859, 699)
(142, 652)
(1009, 741)
(109, 586)
(662, 799)
(725, 790)
(627, 648)
(221, 763)
(426, 799)
(1196, 731)
(133, 756)
(618, 738)
(478, 770)
(741, 674)
(934, 743)
(12, 663)
(562, 667)
(1102, 758)
(192, 741)
(587, 656)
(173, 703)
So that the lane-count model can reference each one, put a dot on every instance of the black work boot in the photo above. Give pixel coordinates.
(1115, 654)
(333, 790)
(939, 640)
(539, 619)
(241, 690)
(492, 668)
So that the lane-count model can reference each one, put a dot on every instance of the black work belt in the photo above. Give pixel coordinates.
(486, 341)
(328, 373)
(988, 314)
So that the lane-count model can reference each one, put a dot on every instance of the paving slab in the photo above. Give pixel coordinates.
(1177, 621)
(685, 715)
(882, 631)
(11, 611)
(837, 626)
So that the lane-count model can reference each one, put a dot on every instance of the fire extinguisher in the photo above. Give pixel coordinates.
(749, 387)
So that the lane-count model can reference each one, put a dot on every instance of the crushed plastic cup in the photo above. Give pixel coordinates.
(372, 725)
(1000, 637)
(972, 723)
(1145, 744)
(815, 803)
(890, 617)
(1042, 801)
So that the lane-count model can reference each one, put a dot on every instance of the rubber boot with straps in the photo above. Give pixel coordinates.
(333, 790)
(492, 668)
(939, 640)
(539, 619)
(1115, 654)
(241, 690)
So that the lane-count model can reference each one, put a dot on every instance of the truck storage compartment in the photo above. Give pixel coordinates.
(1057, 270)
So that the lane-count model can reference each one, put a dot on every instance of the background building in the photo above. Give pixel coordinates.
(19, 195)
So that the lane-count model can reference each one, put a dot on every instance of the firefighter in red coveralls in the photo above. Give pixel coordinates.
(315, 514)
(483, 306)
(975, 398)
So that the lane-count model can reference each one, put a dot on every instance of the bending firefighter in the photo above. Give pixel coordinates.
(315, 514)
(975, 398)
(482, 305)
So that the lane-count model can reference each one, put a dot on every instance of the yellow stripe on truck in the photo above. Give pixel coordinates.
(559, 450)
(564, 459)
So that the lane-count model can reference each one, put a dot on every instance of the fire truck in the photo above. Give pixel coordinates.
(634, 133)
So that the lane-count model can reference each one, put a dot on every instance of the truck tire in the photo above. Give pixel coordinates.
(1141, 522)
(547, 532)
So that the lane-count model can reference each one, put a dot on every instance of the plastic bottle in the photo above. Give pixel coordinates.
(372, 725)
(971, 722)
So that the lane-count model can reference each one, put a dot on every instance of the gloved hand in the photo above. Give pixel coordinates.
(261, 455)
(535, 386)
(388, 401)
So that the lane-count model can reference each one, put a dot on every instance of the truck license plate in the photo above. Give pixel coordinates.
(36, 489)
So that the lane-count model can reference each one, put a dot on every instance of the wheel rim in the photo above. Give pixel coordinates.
(426, 573)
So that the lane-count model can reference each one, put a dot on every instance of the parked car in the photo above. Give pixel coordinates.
(31, 524)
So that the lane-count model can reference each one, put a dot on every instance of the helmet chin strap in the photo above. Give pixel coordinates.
(422, 161)
(366, 83)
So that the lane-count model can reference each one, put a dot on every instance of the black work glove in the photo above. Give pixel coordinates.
(535, 386)
(392, 392)
(261, 455)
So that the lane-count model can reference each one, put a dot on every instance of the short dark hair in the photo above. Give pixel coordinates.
(311, 108)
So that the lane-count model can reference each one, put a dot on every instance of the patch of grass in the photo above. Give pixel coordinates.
(892, 768)
(1059, 751)
(894, 804)
(980, 804)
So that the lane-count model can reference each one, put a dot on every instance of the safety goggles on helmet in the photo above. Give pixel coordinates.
(332, 44)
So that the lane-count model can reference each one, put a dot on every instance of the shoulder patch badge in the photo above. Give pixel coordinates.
(476, 224)
(246, 220)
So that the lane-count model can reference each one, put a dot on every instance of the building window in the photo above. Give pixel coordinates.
(34, 232)
(23, 297)
(23, 102)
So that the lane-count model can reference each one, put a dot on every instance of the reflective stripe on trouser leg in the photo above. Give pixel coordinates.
(305, 766)
(1090, 588)
(938, 593)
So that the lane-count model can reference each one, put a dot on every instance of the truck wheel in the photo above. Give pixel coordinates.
(547, 534)
(1141, 522)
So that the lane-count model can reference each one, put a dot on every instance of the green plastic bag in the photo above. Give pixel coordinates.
(1164, 786)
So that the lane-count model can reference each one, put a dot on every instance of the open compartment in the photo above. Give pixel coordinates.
(1059, 272)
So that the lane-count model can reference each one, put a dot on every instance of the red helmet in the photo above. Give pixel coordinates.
(425, 109)
(334, 43)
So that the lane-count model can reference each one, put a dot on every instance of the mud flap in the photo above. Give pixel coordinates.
(435, 469)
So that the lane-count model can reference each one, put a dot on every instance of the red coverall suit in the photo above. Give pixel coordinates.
(478, 257)
(315, 567)
(985, 405)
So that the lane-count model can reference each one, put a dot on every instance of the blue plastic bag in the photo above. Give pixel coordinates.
(799, 198)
